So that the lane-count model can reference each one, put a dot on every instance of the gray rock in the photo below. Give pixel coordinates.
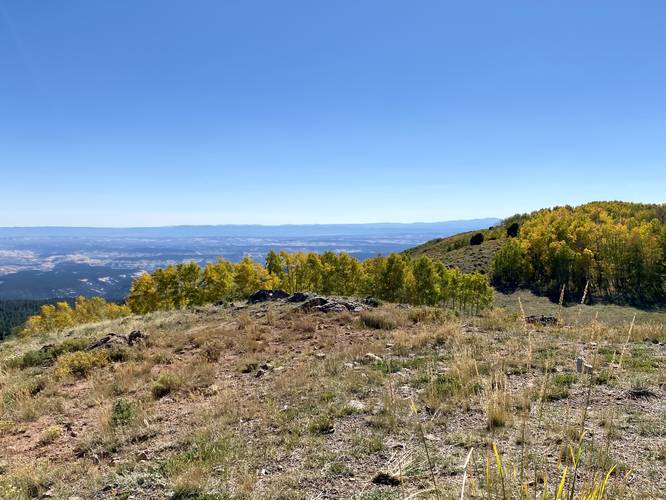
(324, 304)
(582, 366)
(540, 319)
(300, 297)
(373, 357)
(313, 303)
(114, 340)
(267, 295)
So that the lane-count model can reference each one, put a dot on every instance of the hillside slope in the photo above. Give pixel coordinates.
(270, 401)
(457, 251)
(468, 258)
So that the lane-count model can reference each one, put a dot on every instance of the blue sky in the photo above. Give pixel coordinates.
(142, 112)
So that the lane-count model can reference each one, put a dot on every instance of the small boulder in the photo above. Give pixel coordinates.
(540, 319)
(332, 307)
(267, 295)
(300, 297)
(314, 303)
(373, 357)
(582, 366)
(108, 341)
(386, 479)
(135, 336)
(264, 368)
(327, 305)
(114, 340)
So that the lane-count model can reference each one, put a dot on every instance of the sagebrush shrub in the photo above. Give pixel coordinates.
(79, 364)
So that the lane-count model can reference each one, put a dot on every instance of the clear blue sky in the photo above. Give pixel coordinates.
(137, 112)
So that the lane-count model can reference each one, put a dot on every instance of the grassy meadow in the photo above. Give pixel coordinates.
(267, 401)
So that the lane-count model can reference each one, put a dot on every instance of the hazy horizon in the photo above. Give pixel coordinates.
(221, 225)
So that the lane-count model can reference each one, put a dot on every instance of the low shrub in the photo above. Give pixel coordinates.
(477, 239)
(48, 354)
(122, 413)
(166, 383)
(79, 364)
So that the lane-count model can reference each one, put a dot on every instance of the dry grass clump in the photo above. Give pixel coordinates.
(114, 426)
(305, 324)
(427, 335)
(497, 319)
(212, 350)
(498, 402)
(427, 314)
(25, 482)
(382, 320)
(246, 323)
(49, 435)
(27, 400)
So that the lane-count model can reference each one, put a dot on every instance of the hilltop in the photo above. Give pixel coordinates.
(271, 400)
(600, 251)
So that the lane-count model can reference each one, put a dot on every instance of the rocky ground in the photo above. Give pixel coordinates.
(278, 400)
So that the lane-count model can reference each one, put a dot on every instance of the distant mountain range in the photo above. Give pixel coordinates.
(253, 230)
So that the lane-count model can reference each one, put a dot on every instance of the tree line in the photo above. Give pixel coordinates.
(616, 250)
(62, 315)
(394, 278)
(14, 312)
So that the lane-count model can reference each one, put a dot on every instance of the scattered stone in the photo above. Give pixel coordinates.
(319, 355)
(267, 295)
(212, 390)
(135, 337)
(582, 366)
(324, 304)
(249, 367)
(373, 357)
(356, 405)
(264, 368)
(386, 479)
(326, 429)
(114, 340)
(641, 393)
(540, 319)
